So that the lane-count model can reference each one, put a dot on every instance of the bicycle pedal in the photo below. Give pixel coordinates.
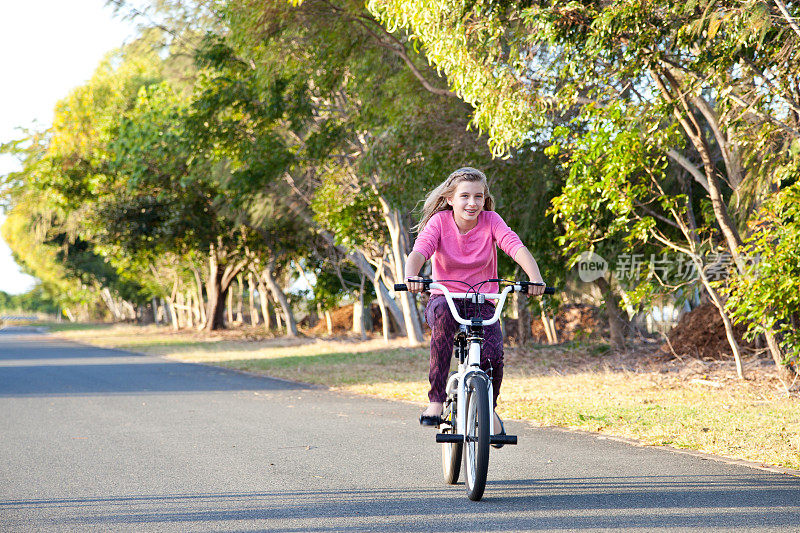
(449, 437)
(503, 439)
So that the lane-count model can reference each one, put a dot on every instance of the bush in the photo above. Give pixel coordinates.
(767, 295)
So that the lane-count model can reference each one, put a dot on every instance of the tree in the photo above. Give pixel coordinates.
(721, 72)
(368, 128)
(766, 298)
(36, 300)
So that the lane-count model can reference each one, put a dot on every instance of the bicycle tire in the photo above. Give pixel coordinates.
(476, 452)
(451, 451)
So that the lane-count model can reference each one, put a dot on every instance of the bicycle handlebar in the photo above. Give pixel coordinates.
(399, 287)
(518, 286)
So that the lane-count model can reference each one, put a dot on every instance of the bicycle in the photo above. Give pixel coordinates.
(467, 416)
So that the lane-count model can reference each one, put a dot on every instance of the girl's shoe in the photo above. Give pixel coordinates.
(430, 420)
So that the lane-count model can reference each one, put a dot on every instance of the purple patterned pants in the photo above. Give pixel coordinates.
(443, 328)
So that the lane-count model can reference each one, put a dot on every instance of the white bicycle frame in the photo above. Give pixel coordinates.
(471, 364)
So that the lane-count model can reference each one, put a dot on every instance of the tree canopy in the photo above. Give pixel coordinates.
(276, 141)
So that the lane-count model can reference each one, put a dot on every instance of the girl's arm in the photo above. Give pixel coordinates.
(524, 259)
(413, 266)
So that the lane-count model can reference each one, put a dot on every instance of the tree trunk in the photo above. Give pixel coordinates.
(200, 302)
(156, 310)
(399, 238)
(262, 295)
(382, 308)
(180, 309)
(164, 311)
(240, 301)
(278, 319)
(105, 293)
(786, 373)
(173, 315)
(314, 318)
(358, 312)
(194, 314)
(329, 322)
(359, 259)
(358, 316)
(128, 309)
(395, 313)
(549, 326)
(197, 309)
(215, 310)
(70, 316)
(718, 302)
(523, 332)
(377, 276)
(219, 281)
(251, 288)
(617, 325)
(729, 230)
(229, 309)
(189, 309)
(280, 297)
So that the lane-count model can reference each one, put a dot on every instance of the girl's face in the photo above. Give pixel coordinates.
(467, 202)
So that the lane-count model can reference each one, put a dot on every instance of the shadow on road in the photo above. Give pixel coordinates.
(708, 502)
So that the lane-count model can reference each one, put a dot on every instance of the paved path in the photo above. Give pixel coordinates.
(99, 440)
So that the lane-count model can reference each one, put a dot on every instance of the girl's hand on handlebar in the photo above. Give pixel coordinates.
(414, 285)
(535, 290)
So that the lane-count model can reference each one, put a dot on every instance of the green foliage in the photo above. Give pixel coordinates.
(329, 289)
(66, 201)
(645, 94)
(352, 125)
(767, 296)
(469, 45)
(351, 214)
(36, 300)
(619, 191)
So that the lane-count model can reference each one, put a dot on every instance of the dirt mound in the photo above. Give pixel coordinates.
(573, 321)
(342, 321)
(701, 333)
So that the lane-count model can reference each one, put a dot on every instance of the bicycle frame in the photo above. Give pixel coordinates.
(471, 364)
(455, 437)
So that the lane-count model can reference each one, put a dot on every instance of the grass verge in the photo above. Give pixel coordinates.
(689, 404)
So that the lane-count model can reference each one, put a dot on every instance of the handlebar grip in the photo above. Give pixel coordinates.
(547, 290)
(400, 287)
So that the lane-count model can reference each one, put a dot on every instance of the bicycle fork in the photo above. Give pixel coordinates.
(465, 371)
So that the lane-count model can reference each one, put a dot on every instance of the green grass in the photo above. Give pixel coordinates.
(368, 369)
(56, 327)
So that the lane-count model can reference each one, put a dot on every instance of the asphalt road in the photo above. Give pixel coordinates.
(99, 440)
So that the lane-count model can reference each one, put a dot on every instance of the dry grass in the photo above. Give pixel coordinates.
(685, 403)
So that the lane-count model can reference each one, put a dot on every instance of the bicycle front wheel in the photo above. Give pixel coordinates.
(476, 458)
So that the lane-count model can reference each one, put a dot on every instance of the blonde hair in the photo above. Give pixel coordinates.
(436, 200)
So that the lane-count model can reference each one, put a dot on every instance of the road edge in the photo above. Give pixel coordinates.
(597, 435)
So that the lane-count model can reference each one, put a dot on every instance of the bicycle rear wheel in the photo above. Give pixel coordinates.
(476, 460)
(451, 459)
(451, 451)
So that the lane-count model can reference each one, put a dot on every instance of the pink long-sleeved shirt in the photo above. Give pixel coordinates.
(471, 257)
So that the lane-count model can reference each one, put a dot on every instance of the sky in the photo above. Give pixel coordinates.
(48, 48)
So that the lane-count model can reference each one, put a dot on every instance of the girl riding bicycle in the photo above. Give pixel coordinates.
(459, 232)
